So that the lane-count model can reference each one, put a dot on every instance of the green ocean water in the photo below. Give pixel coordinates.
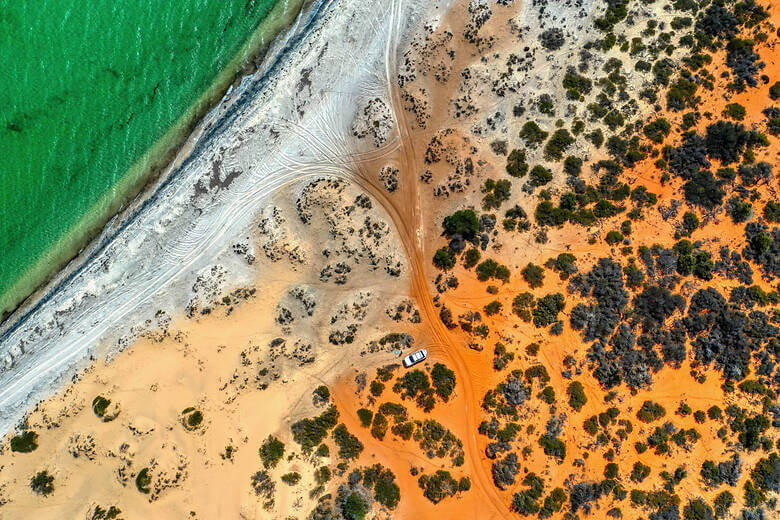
(87, 92)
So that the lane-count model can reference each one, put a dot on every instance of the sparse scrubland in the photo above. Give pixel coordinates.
(595, 274)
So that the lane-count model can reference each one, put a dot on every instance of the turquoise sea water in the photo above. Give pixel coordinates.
(88, 92)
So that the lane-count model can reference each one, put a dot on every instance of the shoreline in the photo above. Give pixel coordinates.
(147, 174)
(37, 356)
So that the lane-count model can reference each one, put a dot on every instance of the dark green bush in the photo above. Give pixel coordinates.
(25, 442)
(576, 393)
(271, 451)
(533, 275)
(365, 415)
(532, 134)
(42, 483)
(143, 481)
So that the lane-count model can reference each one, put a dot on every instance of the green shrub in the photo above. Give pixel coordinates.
(540, 175)
(572, 165)
(100, 406)
(376, 388)
(723, 503)
(547, 309)
(560, 141)
(322, 393)
(379, 426)
(322, 475)
(493, 308)
(350, 446)
(443, 380)
(735, 111)
(533, 275)
(365, 415)
(444, 258)
(532, 134)
(271, 451)
(471, 258)
(25, 442)
(657, 130)
(650, 412)
(772, 211)
(310, 432)
(774, 91)
(143, 481)
(577, 397)
(639, 472)
(42, 483)
(553, 446)
(354, 507)
(438, 486)
(614, 237)
(515, 163)
(291, 478)
(463, 222)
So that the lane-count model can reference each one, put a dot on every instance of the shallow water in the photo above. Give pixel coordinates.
(87, 89)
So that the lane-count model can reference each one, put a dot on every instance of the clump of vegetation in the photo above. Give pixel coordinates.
(291, 478)
(100, 407)
(98, 513)
(443, 380)
(526, 502)
(547, 309)
(321, 395)
(25, 442)
(564, 264)
(310, 432)
(516, 165)
(42, 483)
(495, 193)
(271, 452)
(490, 269)
(438, 486)
(354, 507)
(365, 417)
(577, 397)
(650, 412)
(639, 472)
(559, 142)
(350, 446)
(533, 275)
(382, 480)
(143, 481)
(532, 134)
(191, 418)
(540, 175)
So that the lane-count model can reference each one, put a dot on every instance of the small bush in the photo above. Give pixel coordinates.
(650, 412)
(291, 478)
(365, 415)
(25, 442)
(515, 163)
(143, 481)
(639, 472)
(577, 397)
(532, 134)
(271, 451)
(540, 175)
(444, 259)
(533, 275)
(463, 222)
(42, 483)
